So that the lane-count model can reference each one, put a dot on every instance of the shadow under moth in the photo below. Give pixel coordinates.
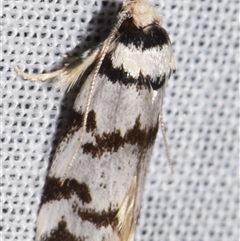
(95, 184)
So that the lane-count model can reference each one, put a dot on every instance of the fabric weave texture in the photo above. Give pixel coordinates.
(199, 202)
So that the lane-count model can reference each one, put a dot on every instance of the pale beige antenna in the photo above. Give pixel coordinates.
(165, 142)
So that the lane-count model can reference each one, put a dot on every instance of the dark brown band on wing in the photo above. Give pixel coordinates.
(111, 142)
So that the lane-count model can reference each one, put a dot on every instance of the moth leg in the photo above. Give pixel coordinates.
(37, 77)
(68, 59)
(66, 77)
(153, 94)
(127, 213)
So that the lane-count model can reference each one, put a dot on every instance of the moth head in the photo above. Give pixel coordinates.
(141, 12)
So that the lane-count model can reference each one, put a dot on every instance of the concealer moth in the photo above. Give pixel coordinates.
(95, 184)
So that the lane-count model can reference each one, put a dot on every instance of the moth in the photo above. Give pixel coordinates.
(95, 184)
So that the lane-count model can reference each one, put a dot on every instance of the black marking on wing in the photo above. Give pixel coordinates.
(61, 233)
(75, 122)
(100, 219)
(151, 36)
(111, 142)
(91, 121)
(146, 38)
(55, 191)
(156, 83)
(119, 75)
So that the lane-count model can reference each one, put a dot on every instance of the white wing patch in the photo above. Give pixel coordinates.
(156, 61)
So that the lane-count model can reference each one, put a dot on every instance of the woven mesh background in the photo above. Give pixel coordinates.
(199, 202)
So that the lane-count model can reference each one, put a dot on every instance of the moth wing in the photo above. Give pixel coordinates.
(110, 167)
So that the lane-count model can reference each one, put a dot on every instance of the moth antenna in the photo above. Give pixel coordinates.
(166, 142)
(121, 17)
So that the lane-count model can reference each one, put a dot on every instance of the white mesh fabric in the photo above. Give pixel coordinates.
(199, 202)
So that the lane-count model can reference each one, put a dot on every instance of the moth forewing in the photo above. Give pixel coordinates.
(95, 184)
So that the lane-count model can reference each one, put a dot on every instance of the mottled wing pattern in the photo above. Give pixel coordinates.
(98, 198)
